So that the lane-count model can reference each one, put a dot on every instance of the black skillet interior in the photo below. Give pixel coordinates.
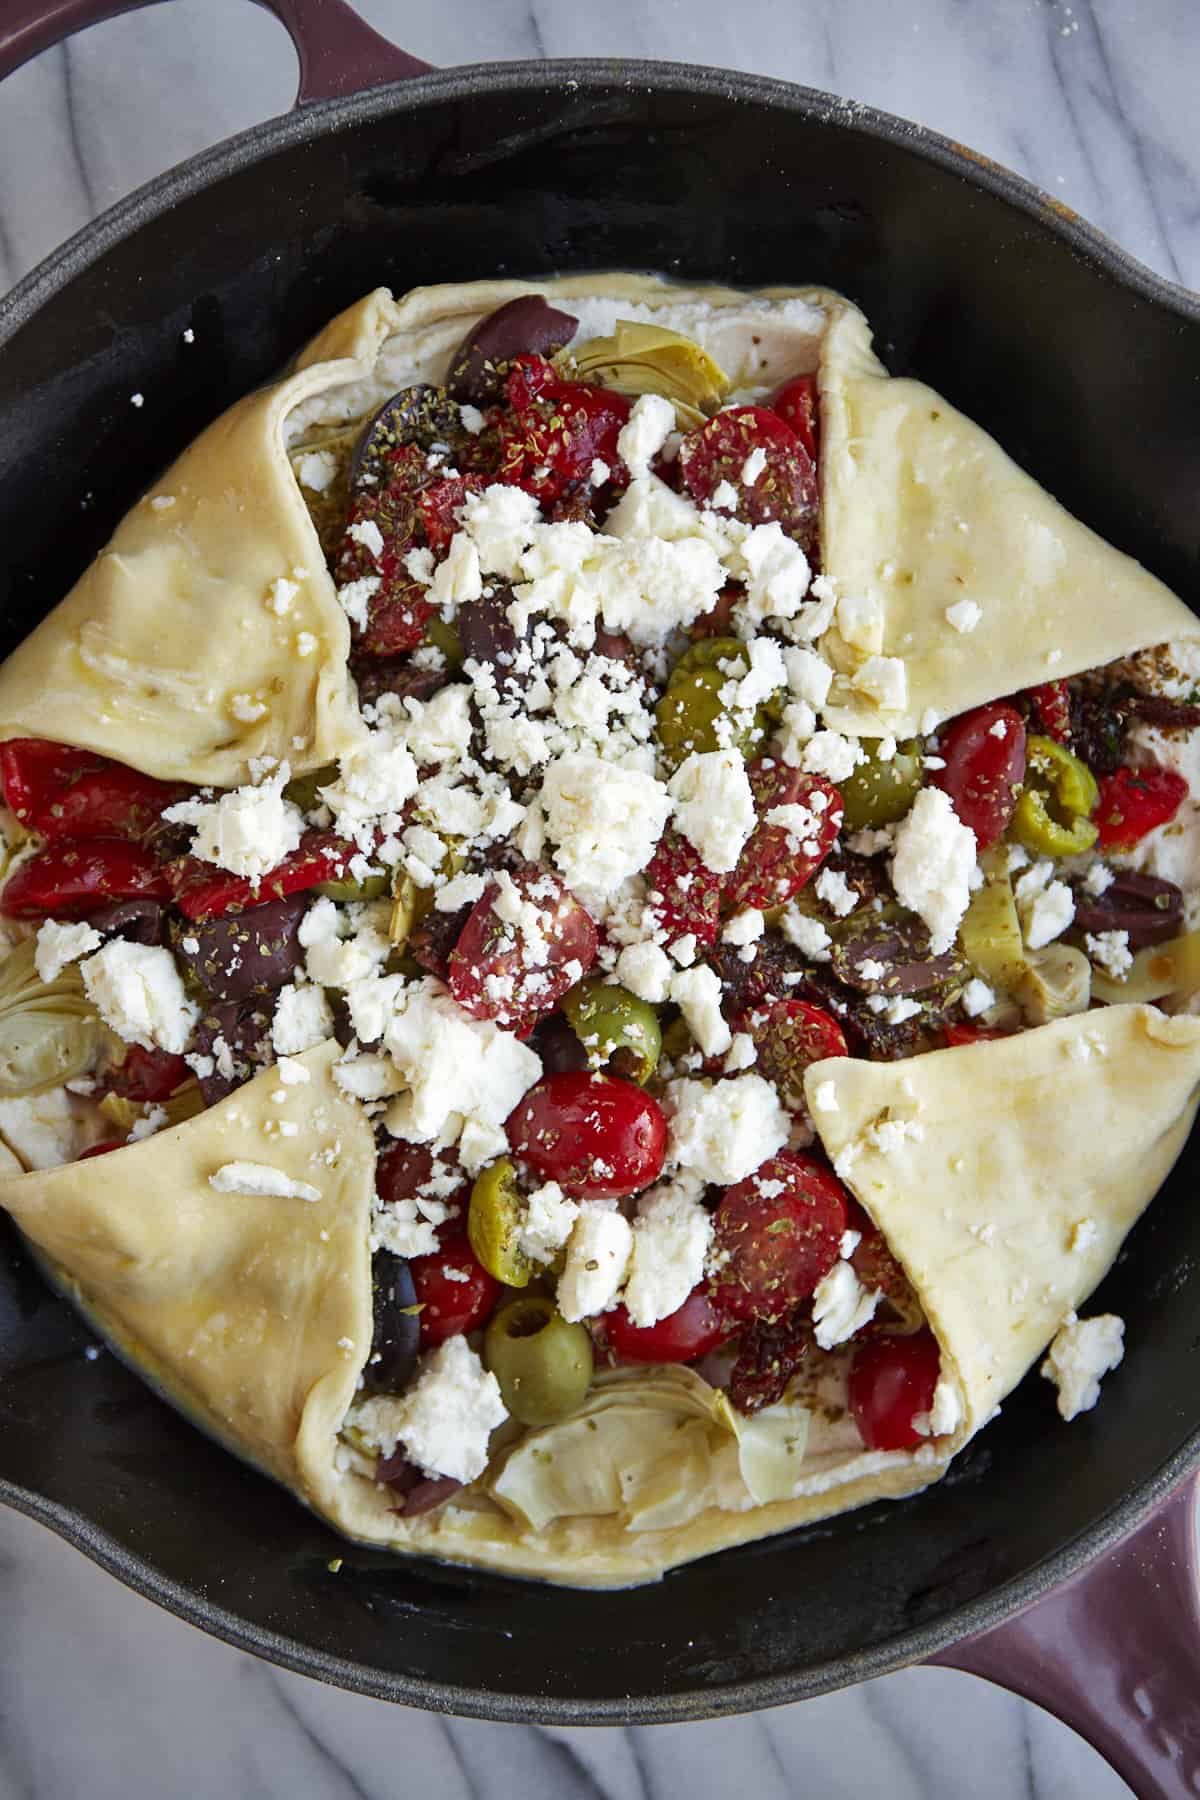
(1089, 382)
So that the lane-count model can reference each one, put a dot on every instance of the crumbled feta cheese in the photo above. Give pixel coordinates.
(883, 679)
(1110, 950)
(600, 472)
(977, 996)
(1082, 1352)
(604, 822)
(671, 1239)
(825, 1098)
(367, 533)
(1098, 880)
(356, 596)
(162, 502)
(697, 994)
(836, 892)
(807, 934)
(444, 1420)
(292, 1074)
(932, 865)
(306, 643)
(860, 622)
(317, 469)
(501, 522)
(744, 927)
(598, 1253)
(301, 1020)
(776, 574)
(137, 990)
(460, 891)
(723, 1131)
(841, 1305)
(260, 1179)
(645, 432)
(964, 615)
(471, 418)
(714, 806)
(743, 1054)
(549, 1220)
(944, 1414)
(249, 831)
(753, 466)
(645, 969)
(58, 945)
(809, 676)
(1048, 915)
(375, 779)
(458, 579)
(829, 753)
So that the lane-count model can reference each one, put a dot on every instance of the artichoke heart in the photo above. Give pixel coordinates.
(49, 1030)
(648, 359)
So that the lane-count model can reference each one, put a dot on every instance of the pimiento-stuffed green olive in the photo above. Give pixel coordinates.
(618, 1031)
(1053, 816)
(879, 793)
(494, 1224)
(543, 1365)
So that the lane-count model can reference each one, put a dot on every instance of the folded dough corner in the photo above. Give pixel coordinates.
(921, 509)
(1005, 1175)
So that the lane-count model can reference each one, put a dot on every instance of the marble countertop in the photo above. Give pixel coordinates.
(101, 1693)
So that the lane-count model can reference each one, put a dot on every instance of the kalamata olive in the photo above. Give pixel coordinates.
(397, 1332)
(417, 1493)
(895, 959)
(615, 645)
(431, 942)
(237, 1029)
(486, 631)
(139, 921)
(1168, 715)
(378, 675)
(557, 1045)
(524, 325)
(420, 415)
(239, 954)
(1148, 908)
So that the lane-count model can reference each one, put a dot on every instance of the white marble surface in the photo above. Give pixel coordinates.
(100, 1693)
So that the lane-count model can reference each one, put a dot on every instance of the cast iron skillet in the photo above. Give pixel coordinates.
(1088, 370)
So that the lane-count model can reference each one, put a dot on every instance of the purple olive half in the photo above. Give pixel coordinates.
(241, 1027)
(486, 632)
(243, 954)
(138, 921)
(522, 327)
(416, 415)
(397, 1333)
(378, 675)
(1148, 908)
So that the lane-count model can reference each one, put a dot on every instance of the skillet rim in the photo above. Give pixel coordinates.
(310, 124)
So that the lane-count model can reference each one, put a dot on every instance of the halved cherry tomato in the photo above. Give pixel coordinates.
(970, 1034)
(440, 502)
(984, 753)
(779, 859)
(450, 1305)
(871, 1258)
(73, 877)
(201, 891)
(60, 792)
(404, 1170)
(1052, 704)
(397, 612)
(780, 1230)
(100, 1149)
(513, 971)
(789, 1035)
(1134, 801)
(692, 1330)
(891, 1380)
(146, 1075)
(796, 404)
(600, 1138)
(684, 892)
(783, 488)
(556, 429)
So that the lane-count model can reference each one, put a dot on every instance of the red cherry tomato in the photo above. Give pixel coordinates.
(202, 892)
(403, 1171)
(496, 972)
(692, 1330)
(796, 404)
(146, 1075)
(779, 859)
(60, 792)
(780, 1230)
(783, 484)
(556, 429)
(440, 502)
(891, 1380)
(1052, 709)
(970, 1034)
(791, 1034)
(73, 877)
(871, 1259)
(600, 1138)
(100, 1149)
(984, 753)
(449, 1304)
(1134, 801)
(684, 892)
(397, 611)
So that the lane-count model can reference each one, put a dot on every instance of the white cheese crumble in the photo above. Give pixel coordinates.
(1110, 949)
(829, 753)
(883, 679)
(697, 994)
(807, 934)
(809, 676)
(301, 1021)
(944, 1413)
(249, 831)
(549, 1220)
(137, 990)
(1048, 915)
(977, 996)
(645, 432)
(604, 822)
(714, 806)
(446, 1417)
(1098, 880)
(932, 865)
(260, 1179)
(1083, 1351)
(837, 894)
(645, 969)
(841, 1305)
(59, 944)
(860, 622)
(316, 469)
(744, 927)
(671, 1239)
(825, 1098)
(964, 615)
(723, 1131)
(598, 1253)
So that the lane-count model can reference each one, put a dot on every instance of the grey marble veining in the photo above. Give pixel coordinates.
(102, 1694)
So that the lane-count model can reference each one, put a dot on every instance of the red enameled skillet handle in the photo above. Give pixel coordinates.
(1115, 1652)
(339, 53)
